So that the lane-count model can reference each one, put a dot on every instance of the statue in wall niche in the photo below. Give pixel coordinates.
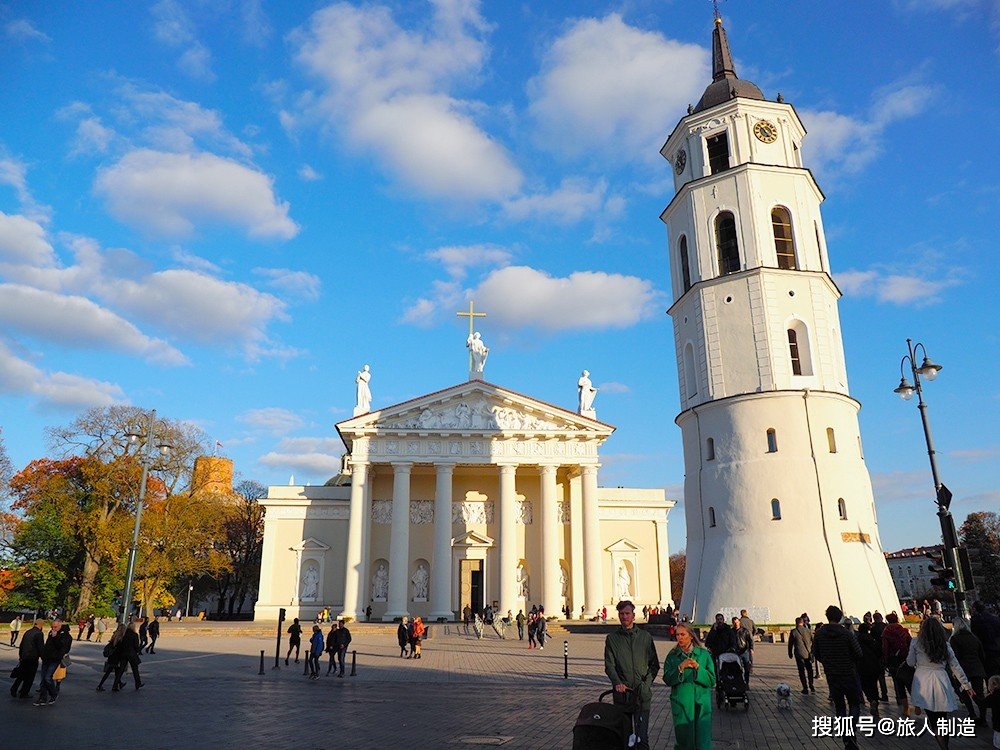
(479, 352)
(522, 582)
(587, 392)
(419, 581)
(563, 580)
(364, 392)
(380, 584)
(310, 583)
(624, 582)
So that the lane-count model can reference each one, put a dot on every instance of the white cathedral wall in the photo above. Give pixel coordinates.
(802, 561)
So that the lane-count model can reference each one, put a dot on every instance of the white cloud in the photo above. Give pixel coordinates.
(53, 389)
(839, 144)
(168, 193)
(607, 85)
(173, 27)
(382, 80)
(79, 323)
(22, 30)
(457, 259)
(309, 174)
(613, 387)
(896, 288)
(572, 201)
(15, 174)
(23, 241)
(297, 285)
(519, 296)
(988, 453)
(92, 137)
(272, 419)
(317, 456)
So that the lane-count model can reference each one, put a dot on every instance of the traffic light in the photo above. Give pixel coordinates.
(945, 576)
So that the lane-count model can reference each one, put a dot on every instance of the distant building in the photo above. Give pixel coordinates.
(909, 570)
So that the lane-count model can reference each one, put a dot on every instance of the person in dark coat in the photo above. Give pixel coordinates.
(895, 647)
(28, 654)
(719, 637)
(800, 647)
(986, 627)
(403, 636)
(294, 640)
(972, 658)
(742, 645)
(131, 648)
(57, 645)
(143, 634)
(341, 640)
(154, 633)
(838, 650)
(870, 666)
(112, 653)
(878, 627)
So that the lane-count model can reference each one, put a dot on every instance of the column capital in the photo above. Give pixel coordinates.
(507, 468)
(546, 469)
(402, 467)
(589, 468)
(445, 467)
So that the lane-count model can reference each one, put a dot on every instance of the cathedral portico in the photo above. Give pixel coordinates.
(471, 496)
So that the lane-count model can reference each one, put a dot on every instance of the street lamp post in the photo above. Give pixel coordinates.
(187, 609)
(147, 454)
(928, 370)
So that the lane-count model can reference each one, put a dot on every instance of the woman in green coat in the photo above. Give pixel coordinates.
(690, 671)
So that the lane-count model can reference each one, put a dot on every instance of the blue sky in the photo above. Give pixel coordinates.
(223, 209)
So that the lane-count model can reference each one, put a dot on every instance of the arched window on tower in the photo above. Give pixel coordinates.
(772, 441)
(831, 440)
(775, 509)
(842, 508)
(798, 348)
(711, 517)
(685, 263)
(784, 245)
(690, 375)
(726, 243)
(710, 449)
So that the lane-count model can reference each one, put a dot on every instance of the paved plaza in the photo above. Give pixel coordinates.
(203, 689)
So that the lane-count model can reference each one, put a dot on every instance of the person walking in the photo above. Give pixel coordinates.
(869, 666)
(532, 629)
(91, 625)
(838, 650)
(417, 631)
(143, 633)
(895, 647)
(520, 620)
(131, 647)
(15, 629)
(294, 640)
(28, 654)
(800, 647)
(403, 636)
(541, 630)
(342, 639)
(986, 627)
(689, 670)
(931, 658)
(878, 627)
(57, 645)
(113, 661)
(102, 627)
(630, 662)
(972, 658)
(331, 647)
(719, 637)
(154, 633)
(315, 652)
(742, 646)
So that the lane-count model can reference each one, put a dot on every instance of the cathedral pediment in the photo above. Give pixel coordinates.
(470, 408)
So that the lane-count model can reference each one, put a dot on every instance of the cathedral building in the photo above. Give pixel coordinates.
(778, 500)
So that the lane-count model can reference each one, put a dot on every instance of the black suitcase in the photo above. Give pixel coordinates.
(603, 726)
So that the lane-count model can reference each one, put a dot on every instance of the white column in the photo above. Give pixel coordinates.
(507, 563)
(399, 542)
(355, 543)
(663, 555)
(577, 585)
(551, 587)
(593, 559)
(441, 580)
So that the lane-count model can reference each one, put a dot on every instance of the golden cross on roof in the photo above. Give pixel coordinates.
(471, 315)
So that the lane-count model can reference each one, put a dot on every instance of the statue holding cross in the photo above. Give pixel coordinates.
(478, 351)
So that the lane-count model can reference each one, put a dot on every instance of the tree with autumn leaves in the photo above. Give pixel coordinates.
(69, 524)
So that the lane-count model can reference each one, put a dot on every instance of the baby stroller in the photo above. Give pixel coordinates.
(604, 726)
(730, 688)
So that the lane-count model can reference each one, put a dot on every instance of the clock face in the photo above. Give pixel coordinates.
(680, 161)
(765, 131)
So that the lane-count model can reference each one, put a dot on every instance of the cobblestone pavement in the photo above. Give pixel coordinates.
(204, 689)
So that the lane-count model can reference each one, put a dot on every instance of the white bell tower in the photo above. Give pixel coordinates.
(778, 500)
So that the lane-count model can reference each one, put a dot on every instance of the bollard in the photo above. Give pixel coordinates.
(277, 647)
(305, 671)
(565, 660)
(354, 664)
(261, 662)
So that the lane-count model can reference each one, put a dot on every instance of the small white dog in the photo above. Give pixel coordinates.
(784, 693)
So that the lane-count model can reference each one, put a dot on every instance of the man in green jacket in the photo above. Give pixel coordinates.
(630, 662)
